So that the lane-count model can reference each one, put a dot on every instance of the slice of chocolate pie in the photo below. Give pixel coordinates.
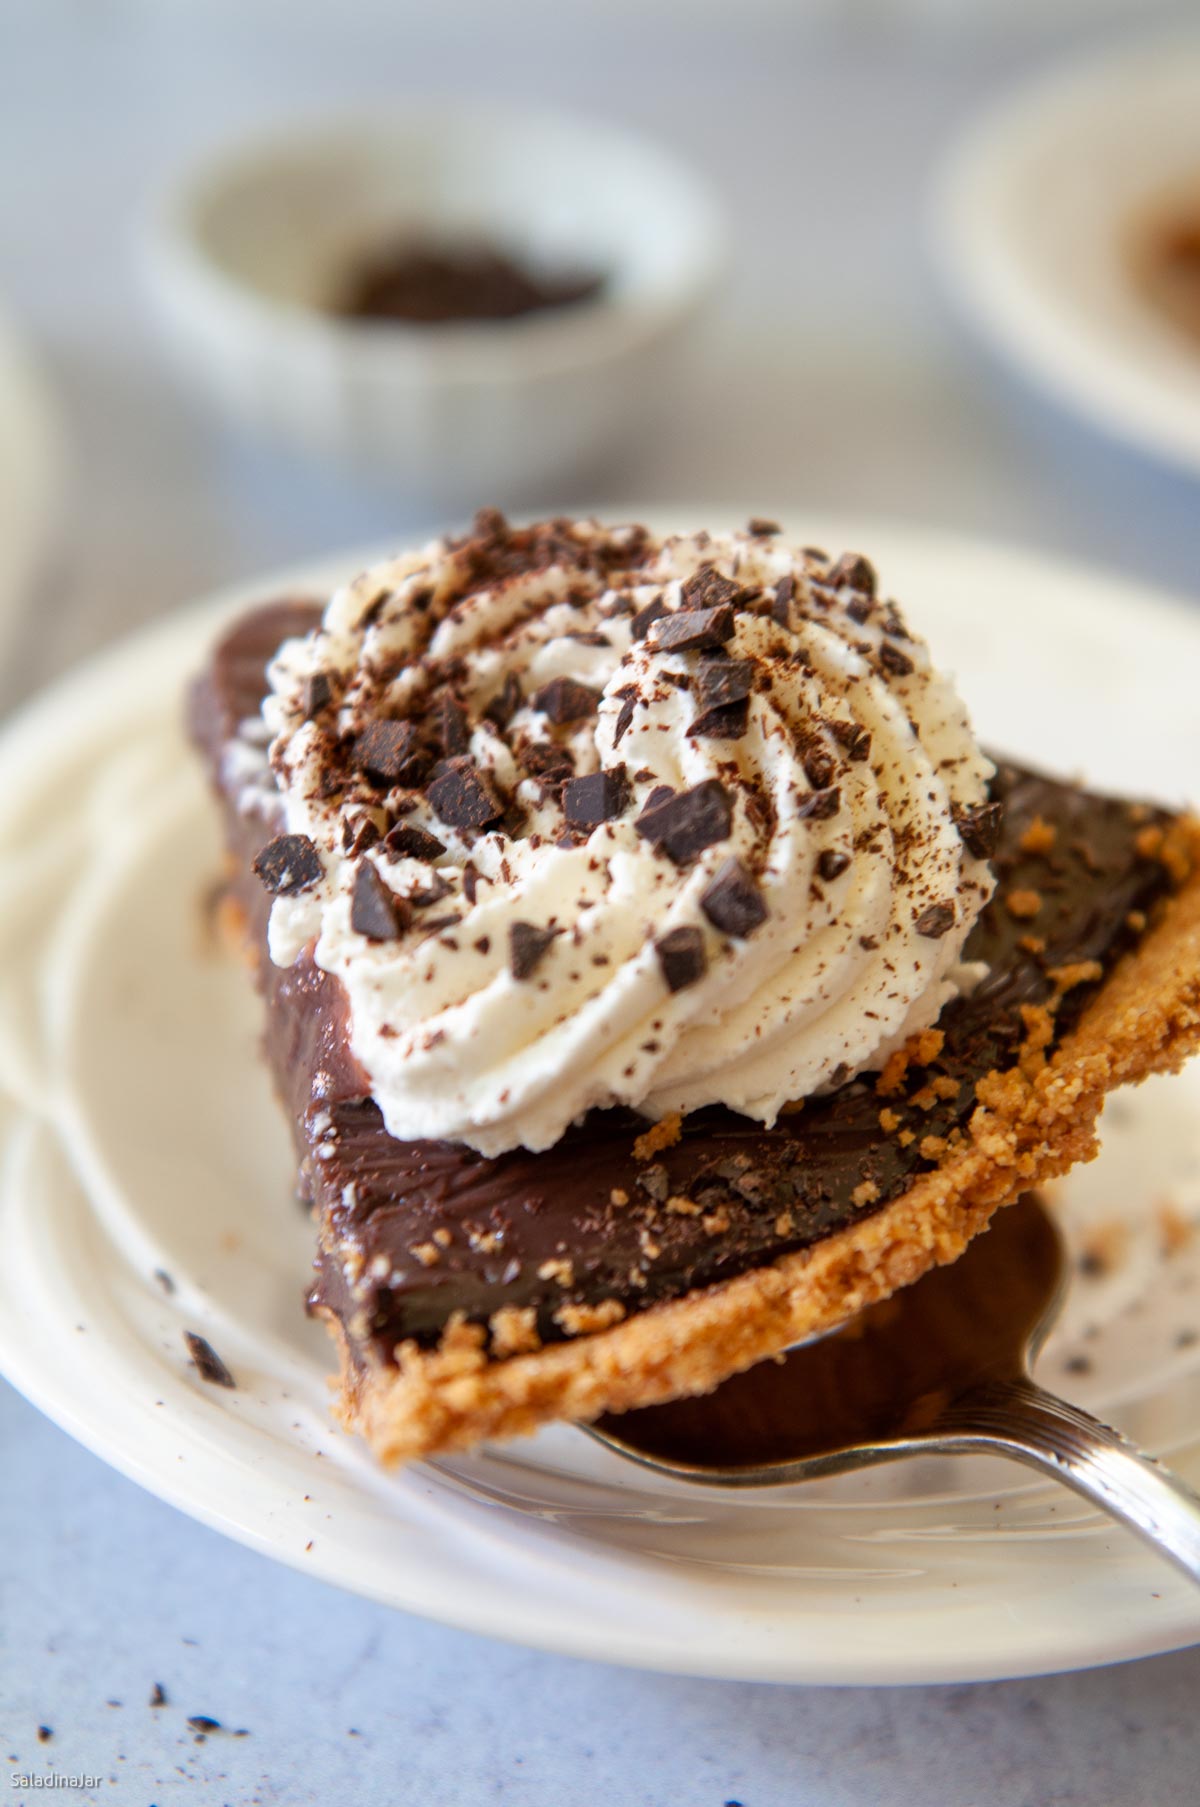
(656, 971)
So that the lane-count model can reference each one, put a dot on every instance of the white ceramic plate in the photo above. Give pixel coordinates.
(29, 461)
(1030, 223)
(138, 1133)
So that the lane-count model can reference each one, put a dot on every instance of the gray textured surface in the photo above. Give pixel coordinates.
(343, 1700)
(835, 380)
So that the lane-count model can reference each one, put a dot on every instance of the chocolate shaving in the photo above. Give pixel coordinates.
(565, 700)
(429, 894)
(358, 833)
(720, 681)
(433, 925)
(463, 798)
(288, 864)
(408, 842)
(645, 618)
(331, 782)
(726, 722)
(208, 1363)
(831, 864)
(596, 798)
(375, 909)
(681, 956)
(819, 767)
(762, 530)
(781, 604)
(542, 759)
(624, 719)
(505, 703)
(853, 737)
(707, 589)
(936, 921)
(527, 947)
(316, 693)
(733, 902)
(450, 726)
(692, 628)
(683, 826)
(893, 660)
(853, 572)
(389, 752)
(819, 805)
(662, 793)
(979, 826)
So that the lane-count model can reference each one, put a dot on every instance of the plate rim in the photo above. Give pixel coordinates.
(181, 633)
(1021, 320)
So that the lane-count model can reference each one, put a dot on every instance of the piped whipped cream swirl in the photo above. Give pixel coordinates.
(581, 816)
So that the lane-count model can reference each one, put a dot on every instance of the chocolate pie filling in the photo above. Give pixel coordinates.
(411, 1232)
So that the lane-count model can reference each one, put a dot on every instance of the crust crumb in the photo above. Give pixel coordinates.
(1104, 1249)
(1023, 904)
(1032, 944)
(1039, 837)
(865, 1194)
(785, 1223)
(891, 1079)
(926, 1045)
(889, 1120)
(1176, 1230)
(427, 1253)
(907, 1137)
(460, 1351)
(514, 1330)
(663, 1134)
(1039, 1033)
(933, 1147)
(1149, 842)
(1177, 853)
(618, 1196)
(560, 1269)
(1077, 972)
(1135, 920)
(682, 1207)
(582, 1320)
(716, 1223)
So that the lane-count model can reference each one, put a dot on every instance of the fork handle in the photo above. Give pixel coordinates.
(1017, 1418)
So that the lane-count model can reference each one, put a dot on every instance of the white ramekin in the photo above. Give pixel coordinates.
(245, 249)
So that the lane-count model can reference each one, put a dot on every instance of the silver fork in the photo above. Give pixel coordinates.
(940, 1369)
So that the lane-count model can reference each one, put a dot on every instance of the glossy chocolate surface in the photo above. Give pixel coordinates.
(413, 1231)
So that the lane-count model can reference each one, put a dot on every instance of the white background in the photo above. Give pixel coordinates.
(834, 377)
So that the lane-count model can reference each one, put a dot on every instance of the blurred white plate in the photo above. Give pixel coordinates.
(29, 459)
(1031, 222)
(138, 1133)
